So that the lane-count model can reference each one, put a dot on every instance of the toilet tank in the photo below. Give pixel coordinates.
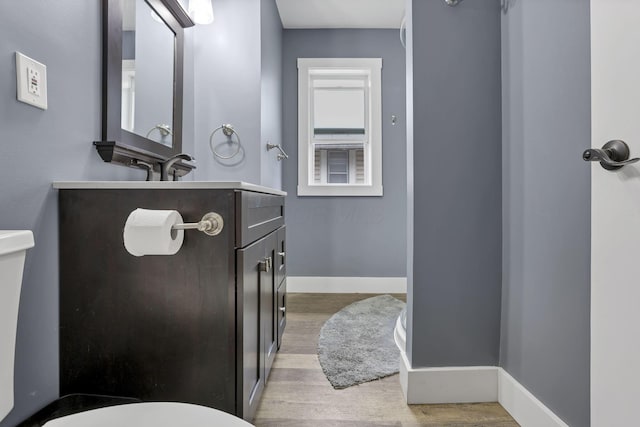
(13, 247)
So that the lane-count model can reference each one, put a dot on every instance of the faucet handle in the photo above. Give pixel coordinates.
(151, 173)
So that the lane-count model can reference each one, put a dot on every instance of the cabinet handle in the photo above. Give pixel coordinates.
(266, 264)
(283, 309)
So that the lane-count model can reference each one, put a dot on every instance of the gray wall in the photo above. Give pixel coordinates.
(455, 174)
(546, 205)
(38, 147)
(348, 236)
(227, 78)
(228, 63)
(271, 93)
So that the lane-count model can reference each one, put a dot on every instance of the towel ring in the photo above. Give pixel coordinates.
(228, 130)
(162, 128)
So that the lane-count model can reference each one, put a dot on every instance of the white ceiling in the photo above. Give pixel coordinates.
(341, 13)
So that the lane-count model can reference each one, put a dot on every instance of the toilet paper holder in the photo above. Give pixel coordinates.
(211, 224)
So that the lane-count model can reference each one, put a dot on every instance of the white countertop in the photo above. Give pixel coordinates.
(165, 185)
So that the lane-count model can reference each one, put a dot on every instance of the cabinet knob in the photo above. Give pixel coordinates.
(283, 309)
(282, 254)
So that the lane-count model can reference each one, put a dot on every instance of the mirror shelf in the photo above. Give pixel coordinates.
(119, 153)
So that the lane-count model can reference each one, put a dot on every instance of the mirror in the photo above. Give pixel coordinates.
(143, 42)
(148, 48)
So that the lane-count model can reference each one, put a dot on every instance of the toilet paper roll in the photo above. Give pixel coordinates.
(148, 232)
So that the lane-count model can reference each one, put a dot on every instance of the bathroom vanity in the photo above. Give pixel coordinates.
(201, 326)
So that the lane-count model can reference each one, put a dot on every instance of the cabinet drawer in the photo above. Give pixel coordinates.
(258, 215)
(280, 263)
(282, 310)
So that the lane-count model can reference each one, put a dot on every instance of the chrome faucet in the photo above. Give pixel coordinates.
(165, 166)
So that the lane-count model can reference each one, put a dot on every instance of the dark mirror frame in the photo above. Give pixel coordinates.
(121, 146)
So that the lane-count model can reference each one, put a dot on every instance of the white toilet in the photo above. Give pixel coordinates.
(150, 414)
(13, 247)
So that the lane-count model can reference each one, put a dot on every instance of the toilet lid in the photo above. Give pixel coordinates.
(151, 414)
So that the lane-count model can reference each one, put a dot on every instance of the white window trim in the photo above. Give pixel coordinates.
(305, 161)
(352, 165)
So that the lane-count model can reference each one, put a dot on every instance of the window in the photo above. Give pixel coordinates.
(339, 127)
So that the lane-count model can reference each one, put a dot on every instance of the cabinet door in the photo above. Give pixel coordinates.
(252, 277)
(269, 304)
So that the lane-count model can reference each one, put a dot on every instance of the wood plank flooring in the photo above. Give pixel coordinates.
(298, 394)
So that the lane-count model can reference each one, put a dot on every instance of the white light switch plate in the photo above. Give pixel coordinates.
(32, 81)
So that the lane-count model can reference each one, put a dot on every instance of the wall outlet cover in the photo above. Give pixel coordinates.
(31, 79)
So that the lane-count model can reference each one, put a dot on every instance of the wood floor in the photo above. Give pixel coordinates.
(298, 394)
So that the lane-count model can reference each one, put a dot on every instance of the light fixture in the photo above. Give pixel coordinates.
(201, 11)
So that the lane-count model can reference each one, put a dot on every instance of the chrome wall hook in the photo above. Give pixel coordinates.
(282, 155)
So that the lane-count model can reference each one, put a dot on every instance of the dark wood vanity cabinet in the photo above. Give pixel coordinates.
(260, 270)
(202, 326)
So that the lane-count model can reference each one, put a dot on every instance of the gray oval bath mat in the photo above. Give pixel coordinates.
(356, 344)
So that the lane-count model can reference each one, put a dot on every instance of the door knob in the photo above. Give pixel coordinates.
(612, 156)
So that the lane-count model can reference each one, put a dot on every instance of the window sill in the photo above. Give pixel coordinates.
(341, 190)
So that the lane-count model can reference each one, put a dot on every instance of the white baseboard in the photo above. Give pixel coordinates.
(448, 385)
(347, 285)
(523, 406)
(475, 384)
